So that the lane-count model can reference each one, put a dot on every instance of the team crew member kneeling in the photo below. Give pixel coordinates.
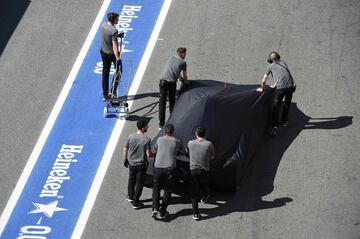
(136, 154)
(166, 148)
(200, 151)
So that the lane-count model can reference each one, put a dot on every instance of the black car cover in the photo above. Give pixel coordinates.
(236, 118)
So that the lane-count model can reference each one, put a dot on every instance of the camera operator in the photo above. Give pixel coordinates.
(284, 88)
(110, 52)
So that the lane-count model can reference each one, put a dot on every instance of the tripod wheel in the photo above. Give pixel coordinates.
(106, 111)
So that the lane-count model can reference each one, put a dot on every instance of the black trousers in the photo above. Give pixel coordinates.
(107, 59)
(163, 178)
(167, 89)
(280, 94)
(136, 181)
(199, 187)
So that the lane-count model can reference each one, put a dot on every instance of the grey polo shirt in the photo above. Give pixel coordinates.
(166, 150)
(137, 144)
(173, 68)
(200, 151)
(280, 74)
(108, 34)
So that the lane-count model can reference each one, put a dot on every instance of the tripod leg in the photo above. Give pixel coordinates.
(116, 78)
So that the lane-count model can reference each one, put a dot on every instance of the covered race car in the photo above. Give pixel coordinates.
(236, 118)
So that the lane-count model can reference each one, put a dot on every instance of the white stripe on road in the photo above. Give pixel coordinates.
(100, 174)
(51, 120)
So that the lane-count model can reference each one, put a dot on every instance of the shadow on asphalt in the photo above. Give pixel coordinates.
(11, 13)
(144, 95)
(151, 108)
(258, 180)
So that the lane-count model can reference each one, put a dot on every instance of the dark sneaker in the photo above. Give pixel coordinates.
(155, 214)
(274, 131)
(161, 127)
(164, 215)
(105, 97)
(196, 216)
(204, 199)
(129, 199)
(284, 123)
(137, 205)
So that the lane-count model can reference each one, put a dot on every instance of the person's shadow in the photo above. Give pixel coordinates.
(259, 177)
(148, 110)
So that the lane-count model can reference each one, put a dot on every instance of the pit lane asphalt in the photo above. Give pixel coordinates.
(40, 41)
(302, 184)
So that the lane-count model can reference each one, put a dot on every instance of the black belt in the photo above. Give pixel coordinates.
(286, 88)
(110, 54)
(291, 88)
(167, 82)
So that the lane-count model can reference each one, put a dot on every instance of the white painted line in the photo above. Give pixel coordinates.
(100, 174)
(51, 120)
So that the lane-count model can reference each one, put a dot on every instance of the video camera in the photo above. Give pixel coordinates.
(121, 34)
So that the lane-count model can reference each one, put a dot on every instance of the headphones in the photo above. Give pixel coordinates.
(277, 57)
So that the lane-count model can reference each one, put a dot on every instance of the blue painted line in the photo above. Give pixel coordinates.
(58, 186)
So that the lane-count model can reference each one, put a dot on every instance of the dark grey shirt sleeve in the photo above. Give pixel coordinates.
(156, 146)
(268, 70)
(184, 66)
(148, 144)
(114, 35)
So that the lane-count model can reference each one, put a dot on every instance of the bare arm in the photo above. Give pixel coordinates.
(115, 47)
(262, 83)
(149, 154)
(184, 76)
(125, 153)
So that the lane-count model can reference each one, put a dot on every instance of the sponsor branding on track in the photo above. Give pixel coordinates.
(58, 187)
(59, 173)
(127, 15)
(56, 177)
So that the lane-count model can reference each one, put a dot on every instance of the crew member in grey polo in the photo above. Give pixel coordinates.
(279, 74)
(137, 145)
(110, 53)
(284, 88)
(166, 148)
(201, 151)
(136, 153)
(174, 69)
